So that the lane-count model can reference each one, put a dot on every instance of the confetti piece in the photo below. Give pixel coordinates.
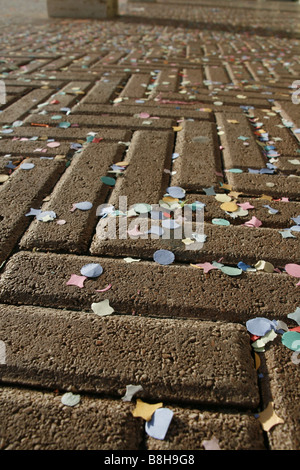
(69, 399)
(176, 192)
(212, 444)
(170, 224)
(264, 266)
(268, 418)
(105, 289)
(61, 222)
(164, 257)
(159, 424)
(131, 260)
(135, 232)
(231, 271)
(53, 145)
(205, 266)
(76, 280)
(254, 222)
(3, 178)
(209, 191)
(229, 206)
(257, 361)
(286, 234)
(293, 269)
(222, 197)
(260, 343)
(145, 410)
(142, 208)
(291, 339)
(259, 326)
(220, 222)
(131, 390)
(27, 166)
(46, 216)
(91, 270)
(102, 308)
(107, 180)
(83, 206)
(295, 315)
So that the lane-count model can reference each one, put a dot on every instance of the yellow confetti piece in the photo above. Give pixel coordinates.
(170, 199)
(268, 418)
(268, 198)
(234, 194)
(222, 197)
(227, 186)
(229, 206)
(188, 241)
(232, 121)
(257, 361)
(145, 410)
(177, 128)
(3, 178)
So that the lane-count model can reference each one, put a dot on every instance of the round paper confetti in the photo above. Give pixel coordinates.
(293, 270)
(291, 339)
(142, 208)
(3, 178)
(259, 326)
(229, 206)
(69, 399)
(107, 180)
(53, 145)
(220, 222)
(27, 166)
(231, 271)
(83, 206)
(91, 270)
(164, 257)
(176, 192)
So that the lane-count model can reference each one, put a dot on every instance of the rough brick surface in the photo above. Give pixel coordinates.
(203, 98)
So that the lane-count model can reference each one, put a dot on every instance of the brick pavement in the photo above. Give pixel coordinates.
(167, 95)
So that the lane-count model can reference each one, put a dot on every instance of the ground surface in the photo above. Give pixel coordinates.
(168, 94)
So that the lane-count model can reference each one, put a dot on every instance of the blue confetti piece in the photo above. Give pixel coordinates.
(91, 270)
(164, 257)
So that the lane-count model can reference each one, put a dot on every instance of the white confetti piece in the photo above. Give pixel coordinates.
(102, 308)
(69, 399)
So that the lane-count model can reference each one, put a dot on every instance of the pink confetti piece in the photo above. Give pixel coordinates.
(53, 145)
(76, 280)
(293, 269)
(245, 205)
(61, 222)
(135, 231)
(205, 266)
(254, 222)
(144, 115)
(105, 289)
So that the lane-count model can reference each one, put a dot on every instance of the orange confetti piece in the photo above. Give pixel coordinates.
(268, 418)
(145, 410)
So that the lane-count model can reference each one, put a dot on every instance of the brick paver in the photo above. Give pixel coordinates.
(198, 97)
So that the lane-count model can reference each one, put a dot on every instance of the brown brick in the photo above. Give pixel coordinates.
(81, 182)
(20, 108)
(148, 288)
(279, 380)
(24, 189)
(188, 362)
(199, 157)
(37, 420)
(190, 427)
